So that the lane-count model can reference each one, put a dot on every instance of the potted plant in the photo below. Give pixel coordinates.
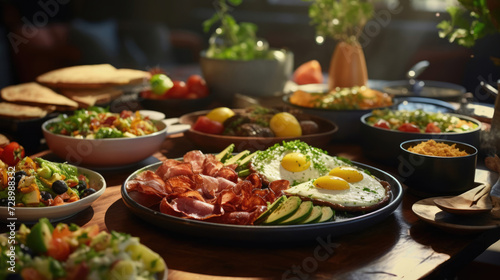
(237, 61)
(343, 20)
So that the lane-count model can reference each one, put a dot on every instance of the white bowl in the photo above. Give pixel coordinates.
(259, 77)
(59, 212)
(109, 152)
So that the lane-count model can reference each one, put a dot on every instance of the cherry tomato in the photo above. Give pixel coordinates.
(178, 90)
(408, 127)
(58, 249)
(204, 124)
(197, 85)
(12, 153)
(432, 128)
(382, 124)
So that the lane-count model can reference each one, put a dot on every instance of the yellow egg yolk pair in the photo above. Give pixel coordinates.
(339, 178)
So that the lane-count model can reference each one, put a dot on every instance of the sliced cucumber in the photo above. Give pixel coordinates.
(236, 158)
(314, 216)
(301, 214)
(270, 209)
(225, 154)
(326, 214)
(284, 211)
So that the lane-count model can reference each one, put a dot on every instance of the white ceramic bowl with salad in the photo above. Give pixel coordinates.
(95, 151)
(31, 214)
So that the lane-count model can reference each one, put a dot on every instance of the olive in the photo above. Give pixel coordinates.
(45, 195)
(82, 185)
(18, 176)
(87, 192)
(59, 187)
(4, 202)
(14, 276)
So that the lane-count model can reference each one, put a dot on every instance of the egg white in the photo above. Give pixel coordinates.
(271, 167)
(366, 192)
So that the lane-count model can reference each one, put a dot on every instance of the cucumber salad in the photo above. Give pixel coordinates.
(73, 252)
(40, 183)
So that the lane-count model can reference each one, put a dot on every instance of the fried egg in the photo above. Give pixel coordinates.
(362, 191)
(294, 161)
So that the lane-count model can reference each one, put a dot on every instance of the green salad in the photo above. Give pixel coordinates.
(73, 252)
(98, 123)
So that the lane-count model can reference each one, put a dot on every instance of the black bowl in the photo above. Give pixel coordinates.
(433, 175)
(383, 144)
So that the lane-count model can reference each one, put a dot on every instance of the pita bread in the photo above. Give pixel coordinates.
(91, 97)
(35, 94)
(91, 76)
(17, 111)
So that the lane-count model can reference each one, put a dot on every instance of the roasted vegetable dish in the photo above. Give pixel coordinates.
(98, 123)
(40, 183)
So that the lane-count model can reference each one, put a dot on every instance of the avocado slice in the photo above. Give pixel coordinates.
(314, 216)
(40, 236)
(32, 198)
(236, 158)
(243, 164)
(226, 153)
(301, 214)
(270, 208)
(327, 214)
(284, 211)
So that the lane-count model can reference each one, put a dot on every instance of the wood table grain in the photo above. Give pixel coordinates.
(400, 247)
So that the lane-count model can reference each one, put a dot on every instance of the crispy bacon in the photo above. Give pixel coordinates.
(200, 187)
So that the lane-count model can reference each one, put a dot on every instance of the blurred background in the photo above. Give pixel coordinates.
(38, 36)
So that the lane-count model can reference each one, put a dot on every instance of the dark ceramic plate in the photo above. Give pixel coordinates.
(256, 233)
(216, 143)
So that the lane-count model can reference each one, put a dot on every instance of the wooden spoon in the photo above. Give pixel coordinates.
(474, 201)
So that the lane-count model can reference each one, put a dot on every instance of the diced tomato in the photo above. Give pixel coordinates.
(408, 127)
(126, 114)
(30, 273)
(432, 128)
(197, 85)
(109, 120)
(79, 272)
(204, 124)
(58, 249)
(179, 90)
(382, 124)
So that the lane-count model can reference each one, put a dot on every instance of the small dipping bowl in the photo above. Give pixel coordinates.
(427, 175)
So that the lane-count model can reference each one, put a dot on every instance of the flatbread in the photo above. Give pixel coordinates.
(36, 94)
(92, 76)
(17, 111)
(91, 97)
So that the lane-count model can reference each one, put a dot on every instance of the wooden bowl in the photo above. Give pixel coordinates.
(215, 143)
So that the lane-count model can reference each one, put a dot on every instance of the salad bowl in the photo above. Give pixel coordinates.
(59, 212)
(107, 152)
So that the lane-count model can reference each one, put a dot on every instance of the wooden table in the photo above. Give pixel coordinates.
(400, 247)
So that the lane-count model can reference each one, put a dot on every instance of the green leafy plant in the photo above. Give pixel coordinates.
(342, 20)
(233, 40)
(470, 21)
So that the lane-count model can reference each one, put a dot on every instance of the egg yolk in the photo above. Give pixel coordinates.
(295, 162)
(347, 173)
(331, 183)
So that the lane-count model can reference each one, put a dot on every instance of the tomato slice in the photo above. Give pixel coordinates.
(408, 127)
(432, 128)
(382, 124)
(206, 125)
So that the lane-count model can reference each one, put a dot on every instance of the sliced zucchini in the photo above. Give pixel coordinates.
(327, 214)
(284, 211)
(226, 153)
(314, 216)
(301, 214)
(270, 209)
